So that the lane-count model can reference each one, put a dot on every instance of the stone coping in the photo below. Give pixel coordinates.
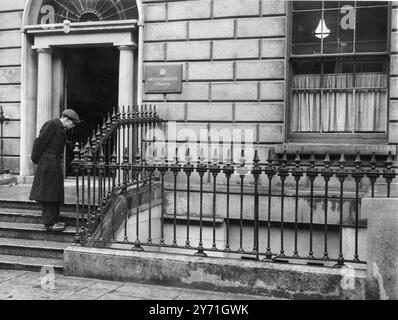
(336, 148)
(289, 281)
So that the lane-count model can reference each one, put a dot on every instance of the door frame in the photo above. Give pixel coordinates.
(115, 33)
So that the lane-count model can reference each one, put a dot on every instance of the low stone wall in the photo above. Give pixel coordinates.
(228, 275)
(382, 247)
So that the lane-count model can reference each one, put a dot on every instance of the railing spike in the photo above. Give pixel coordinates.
(176, 155)
(358, 158)
(77, 147)
(284, 156)
(373, 161)
(389, 160)
(242, 159)
(297, 159)
(270, 156)
(327, 159)
(256, 159)
(342, 159)
(312, 159)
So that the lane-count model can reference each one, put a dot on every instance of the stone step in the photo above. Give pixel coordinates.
(33, 248)
(34, 231)
(12, 262)
(33, 216)
(16, 204)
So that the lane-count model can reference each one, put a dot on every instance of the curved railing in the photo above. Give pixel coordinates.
(97, 162)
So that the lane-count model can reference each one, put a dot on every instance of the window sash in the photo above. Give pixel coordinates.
(354, 52)
(322, 103)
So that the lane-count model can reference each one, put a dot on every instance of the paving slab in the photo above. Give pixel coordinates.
(99, 288)
(9, 274)
(27, 286)
(114, 296)
(141, 290)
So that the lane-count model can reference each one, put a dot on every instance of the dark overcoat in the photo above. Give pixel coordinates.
(48, 183)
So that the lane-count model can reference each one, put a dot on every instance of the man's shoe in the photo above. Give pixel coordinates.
(59, 226)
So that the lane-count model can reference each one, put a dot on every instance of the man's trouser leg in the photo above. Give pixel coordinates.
(50, 213)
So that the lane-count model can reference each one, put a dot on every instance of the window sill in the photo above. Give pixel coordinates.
(335, 148)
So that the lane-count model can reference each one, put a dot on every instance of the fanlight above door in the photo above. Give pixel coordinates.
(56, 11)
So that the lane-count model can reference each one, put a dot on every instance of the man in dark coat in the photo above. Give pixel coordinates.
(48, 183)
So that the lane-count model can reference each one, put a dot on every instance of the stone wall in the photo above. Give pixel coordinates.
(10, 77)
(393, 123)
(234, 68)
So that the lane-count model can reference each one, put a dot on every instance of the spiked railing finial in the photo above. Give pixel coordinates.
(256, 159)
(357, 160)
(327, 161)
(188, 157)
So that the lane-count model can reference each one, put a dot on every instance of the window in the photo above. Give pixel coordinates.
(339, 69)
(55, 11)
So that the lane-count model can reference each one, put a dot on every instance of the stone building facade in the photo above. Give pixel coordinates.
(237, 70)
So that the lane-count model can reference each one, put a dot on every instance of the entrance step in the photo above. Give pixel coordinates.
(34, 231)
(29, 263)
(33, 216)
(32, 248)
(29, 205)
(24, 242)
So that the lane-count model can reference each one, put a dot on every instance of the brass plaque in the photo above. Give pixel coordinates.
(165, 78)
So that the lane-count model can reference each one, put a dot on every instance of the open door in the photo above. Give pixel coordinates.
(91, 89)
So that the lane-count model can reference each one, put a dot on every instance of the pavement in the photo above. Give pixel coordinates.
(26, 285)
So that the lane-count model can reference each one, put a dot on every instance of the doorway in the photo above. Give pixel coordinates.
(91, 87)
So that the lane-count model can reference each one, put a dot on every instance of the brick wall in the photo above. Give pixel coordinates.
(233, 56)
(10, 77)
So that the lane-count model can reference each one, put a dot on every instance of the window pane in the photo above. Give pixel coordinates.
(347, 67)
(55, 11)
(371, 30)
(307, 5)
(337, 102)
(307, 67)
(371, 102)
(306, 100)
(331, 4)
(331, 42)
(371, 3)
(330, 66)
(306, 96)
(347, 3)
(304, 40)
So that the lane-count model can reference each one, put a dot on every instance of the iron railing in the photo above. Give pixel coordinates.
(97, 162)
(259, 202)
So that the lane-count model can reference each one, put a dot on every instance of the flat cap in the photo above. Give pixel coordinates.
(71, 114)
